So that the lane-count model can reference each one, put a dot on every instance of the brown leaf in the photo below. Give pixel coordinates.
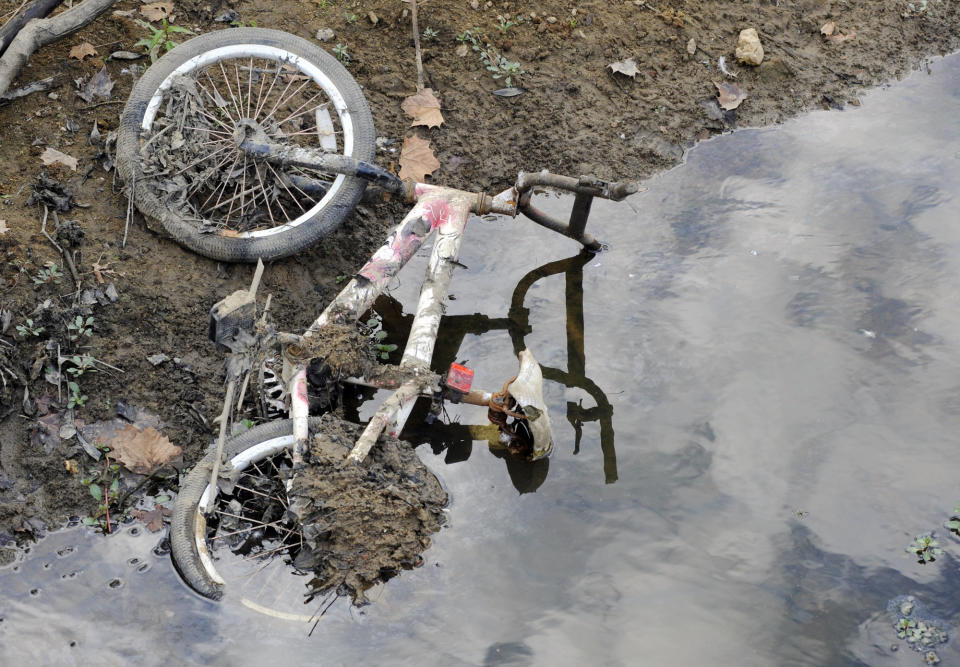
(53, 156)
(417, 159)
(153, 518)
(840, 37)
(627, 67)
(81, 51)
(157, 11)
(828, 28)
(730, 95)
(424, 108)
(142, 451)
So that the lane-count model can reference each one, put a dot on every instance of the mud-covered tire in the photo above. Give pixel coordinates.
(317, 222)
(183, 540)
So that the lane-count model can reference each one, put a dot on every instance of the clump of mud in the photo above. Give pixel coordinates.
(344, 349)
(363, 523)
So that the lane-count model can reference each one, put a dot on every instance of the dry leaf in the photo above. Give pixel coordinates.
(627, 67)
(424, 108)
(3, 227)
(81, 51)
(153, 518)
(417, 159)
(828, 28)
(157, 10)
(840, 37)
(53, 156)
(142, 451)
(730, 95)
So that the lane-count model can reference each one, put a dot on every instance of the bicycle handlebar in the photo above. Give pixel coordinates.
(584, 185)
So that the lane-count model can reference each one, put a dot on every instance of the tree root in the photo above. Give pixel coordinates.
(37, 33)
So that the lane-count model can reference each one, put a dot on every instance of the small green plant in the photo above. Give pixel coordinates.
(374, 330)
(905, 627)
(50, 274)
(953, 525)
(430, 35)
(29, 329)
(505, 25)
(81, 365)
(340, 51)
(79, 328)
(493, 61)
(160, 37)
(501, 67)
(104, 487)
(925, 548)
(75, 398)
(350, 16)
(341, 278)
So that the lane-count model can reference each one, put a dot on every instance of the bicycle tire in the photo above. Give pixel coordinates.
(358, 137)
(183, 543)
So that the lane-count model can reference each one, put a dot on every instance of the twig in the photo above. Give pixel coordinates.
(68, 256)
(100, 104)
(215, 471)
(416, 44)
(35, 87)
(43, 229)
(104, 363)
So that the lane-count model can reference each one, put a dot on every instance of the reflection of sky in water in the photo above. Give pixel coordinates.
(776, 328)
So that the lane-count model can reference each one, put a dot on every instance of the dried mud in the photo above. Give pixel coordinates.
(363, 523)
(575, 116)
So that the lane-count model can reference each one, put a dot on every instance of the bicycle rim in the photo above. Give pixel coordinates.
(194, 113)
(248, 545)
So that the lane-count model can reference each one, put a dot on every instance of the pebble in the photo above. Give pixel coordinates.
(749, 50)
(374, 19)
(325, 35)
(157, 359)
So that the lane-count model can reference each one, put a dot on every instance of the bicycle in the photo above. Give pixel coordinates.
(179, 175)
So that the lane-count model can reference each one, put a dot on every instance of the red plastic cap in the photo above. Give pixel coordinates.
(460, 378)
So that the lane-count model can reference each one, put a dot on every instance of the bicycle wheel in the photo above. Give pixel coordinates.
(249, 535)
(176, 149)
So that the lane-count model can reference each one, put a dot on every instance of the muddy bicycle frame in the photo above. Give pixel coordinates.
(439, 210)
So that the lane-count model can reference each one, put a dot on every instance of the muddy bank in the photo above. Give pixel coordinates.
(575, 115)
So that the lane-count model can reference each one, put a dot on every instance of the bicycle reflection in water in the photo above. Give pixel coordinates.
(458, 439)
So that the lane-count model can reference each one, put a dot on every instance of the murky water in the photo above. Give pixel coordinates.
(761, 413)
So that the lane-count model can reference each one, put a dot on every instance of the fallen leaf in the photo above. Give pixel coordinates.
(153, 518)
(142, 451)
(81, 51)
(125, 55)
(828, 28)
(627, 67)
(509, 92)
(3, 227)
(53, 156)
(417, 159)
(157, 10)
(730, 95)
(840, 37)
(424, 108)
(72, 467)
(99, 85)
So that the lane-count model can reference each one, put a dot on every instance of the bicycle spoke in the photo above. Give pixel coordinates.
(205, 157)
(275, 106)
(269, 90)
(259, 493)
(280, 181)
(219, 536)
(214, 99)
(249, 86)
(226, 81)
(266, 196)
(295, 113)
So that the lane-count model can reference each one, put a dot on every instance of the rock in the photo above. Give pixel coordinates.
(374, 19)
(692, 46)
(325, 35)
(749, 50)
(157, 359)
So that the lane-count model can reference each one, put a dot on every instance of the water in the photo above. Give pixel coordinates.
(769, 403)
